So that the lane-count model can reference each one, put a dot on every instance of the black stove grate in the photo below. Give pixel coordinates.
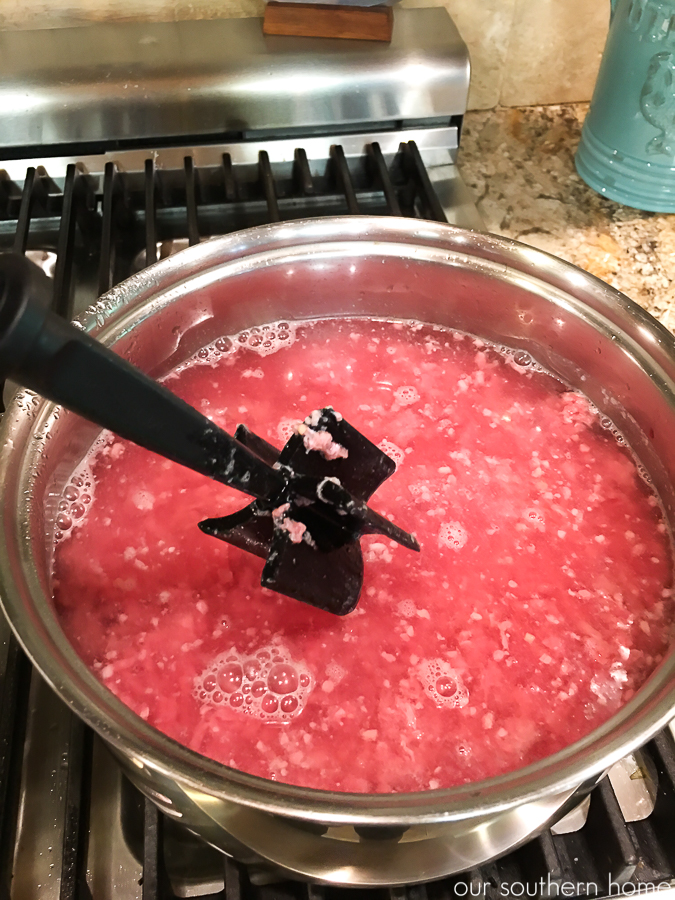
(103, 228)
(98, 231)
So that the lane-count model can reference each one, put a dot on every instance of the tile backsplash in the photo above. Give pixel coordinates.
(527, 52)
(523, 52)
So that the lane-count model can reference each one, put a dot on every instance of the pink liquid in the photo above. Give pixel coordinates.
(540, 601)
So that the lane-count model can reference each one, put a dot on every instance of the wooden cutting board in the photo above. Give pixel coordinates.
(361, 23)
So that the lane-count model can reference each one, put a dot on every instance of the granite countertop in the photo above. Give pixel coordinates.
(519, 164)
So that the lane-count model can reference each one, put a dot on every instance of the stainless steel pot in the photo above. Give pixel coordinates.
(574, 324)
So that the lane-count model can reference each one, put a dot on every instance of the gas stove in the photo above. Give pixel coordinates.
(122, 145)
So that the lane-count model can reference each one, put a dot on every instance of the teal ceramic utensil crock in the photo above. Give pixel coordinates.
(627, 148)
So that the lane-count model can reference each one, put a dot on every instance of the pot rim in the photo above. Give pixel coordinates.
(109, 319)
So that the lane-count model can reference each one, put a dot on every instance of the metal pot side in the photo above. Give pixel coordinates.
(576, 326)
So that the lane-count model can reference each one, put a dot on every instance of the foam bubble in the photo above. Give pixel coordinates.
(523, 359)
(442, 683)
(452, 535)
(268, 684)
(392, 451)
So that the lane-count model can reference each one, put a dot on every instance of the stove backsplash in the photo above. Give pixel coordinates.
(524, 52)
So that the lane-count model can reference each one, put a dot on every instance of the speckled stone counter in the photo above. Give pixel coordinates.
(519, 164)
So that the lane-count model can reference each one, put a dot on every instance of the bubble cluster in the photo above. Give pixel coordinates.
(520, 360)
(76, 498)
(407, 608)
(442, 683)
(262, 339)
(268, 684)
(267, 339)
(335, 672)
(406, 395)
(607, 424)
(452, 535)
(392, 451)
(286, 429)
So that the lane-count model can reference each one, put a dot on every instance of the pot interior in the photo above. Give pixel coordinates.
(575, 327)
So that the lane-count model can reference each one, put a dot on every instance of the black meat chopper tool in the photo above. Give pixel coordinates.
(308, 511)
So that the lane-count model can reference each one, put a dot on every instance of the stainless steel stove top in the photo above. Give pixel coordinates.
(107, 85)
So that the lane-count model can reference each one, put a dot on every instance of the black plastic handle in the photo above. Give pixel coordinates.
(64, 364)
